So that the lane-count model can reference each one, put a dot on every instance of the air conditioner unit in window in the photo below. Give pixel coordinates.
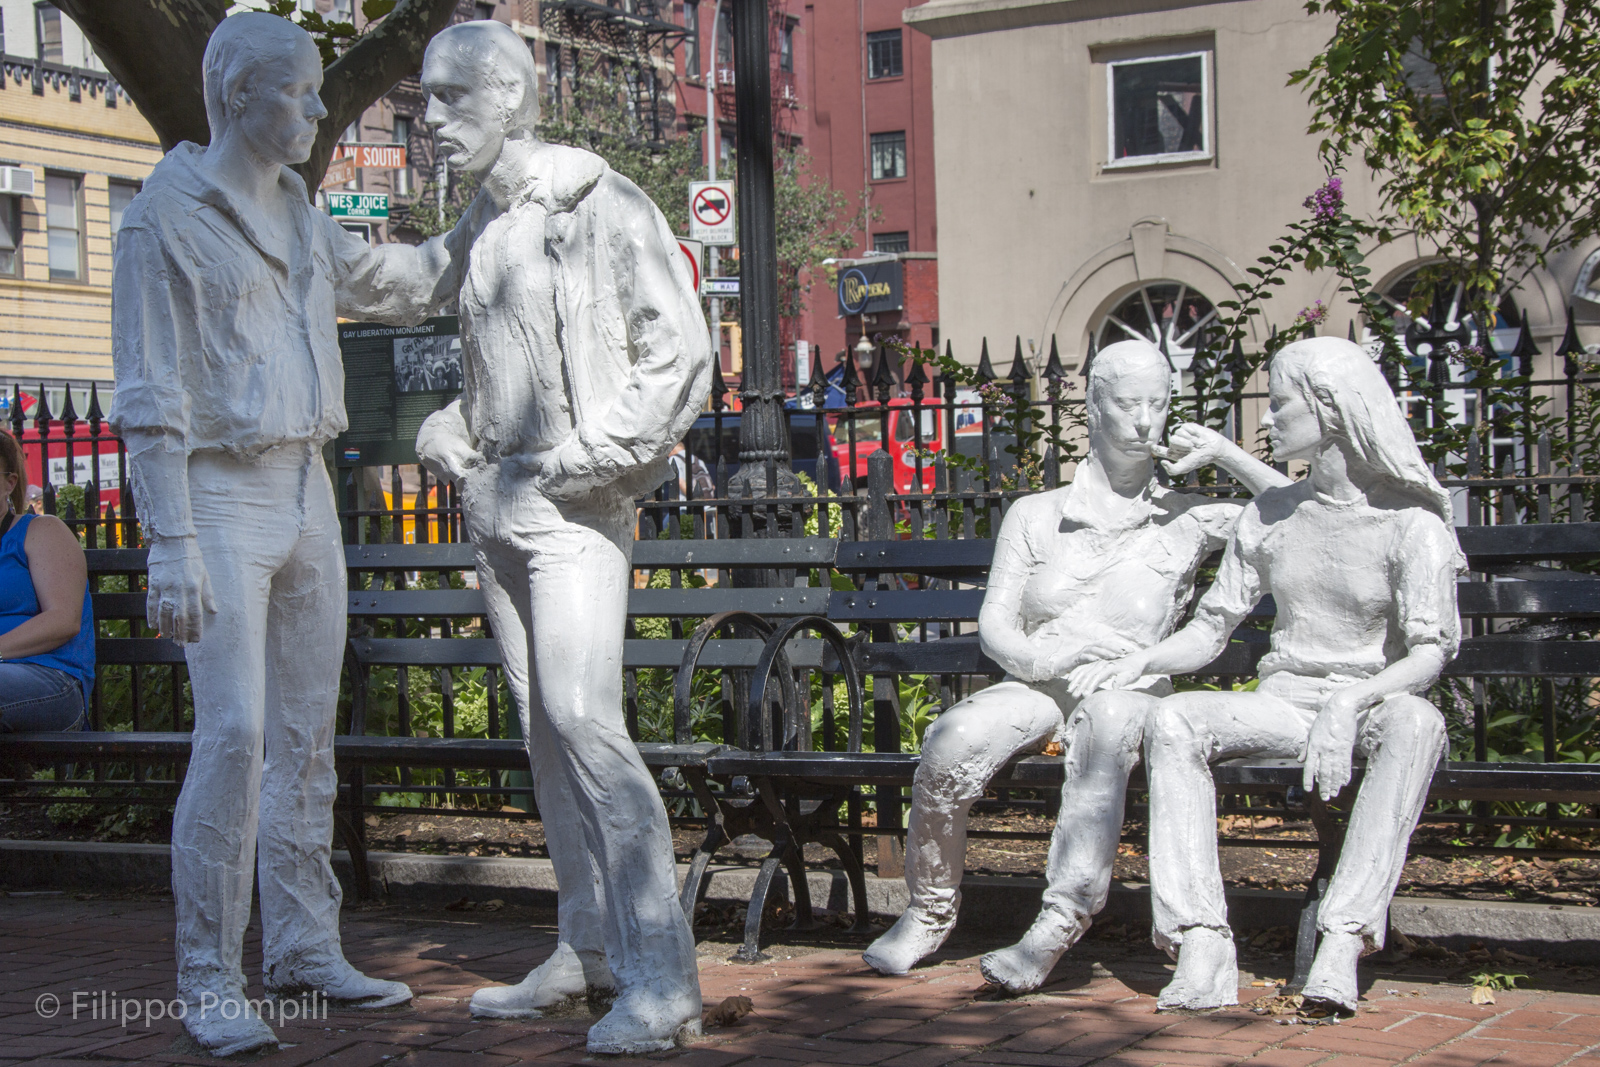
(16, 180)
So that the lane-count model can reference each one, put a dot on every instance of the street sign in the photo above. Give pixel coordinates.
(339, 171)
(692, 251)
(711, 212)
(722, 286)
(375, 156)
(358, 205)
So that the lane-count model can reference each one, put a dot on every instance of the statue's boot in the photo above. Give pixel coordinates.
(1207, 975)
(567, 975)
(336, 981)
(1332, 984)
(1023, 967)
(642, 1022)
(222, 1022)
(914, 935)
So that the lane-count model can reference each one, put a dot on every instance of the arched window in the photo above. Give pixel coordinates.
(1169, 315)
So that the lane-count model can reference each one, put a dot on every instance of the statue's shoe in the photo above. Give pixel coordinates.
(1332, 984)
(914, 935)
(223, 1023)
(638, 1023)
(1208, 973)
(1023, 967)
(565, 976)
(338, 982)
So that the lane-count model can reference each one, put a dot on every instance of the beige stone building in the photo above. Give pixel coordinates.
(75, 151)
(1112, 166)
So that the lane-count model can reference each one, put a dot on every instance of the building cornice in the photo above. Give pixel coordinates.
(959, 18)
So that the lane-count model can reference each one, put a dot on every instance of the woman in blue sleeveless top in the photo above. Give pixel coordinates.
(46, 625)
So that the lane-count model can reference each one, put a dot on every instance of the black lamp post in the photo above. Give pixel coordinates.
(764, 448)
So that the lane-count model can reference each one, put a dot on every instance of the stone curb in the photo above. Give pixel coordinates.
(992, 906)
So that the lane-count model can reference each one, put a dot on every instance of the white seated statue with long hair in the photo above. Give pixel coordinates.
(1362, 561)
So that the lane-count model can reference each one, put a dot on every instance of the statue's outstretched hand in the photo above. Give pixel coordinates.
(1105, 674)
(1330, 749)
(1192, 446)
(443, 449)
(179, 593)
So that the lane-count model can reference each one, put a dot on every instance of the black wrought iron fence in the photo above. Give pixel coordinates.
(909, 457)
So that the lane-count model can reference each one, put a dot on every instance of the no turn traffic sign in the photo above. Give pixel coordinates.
(711, 212)
(692, 251)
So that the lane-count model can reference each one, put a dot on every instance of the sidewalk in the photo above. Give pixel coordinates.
(813, 1003)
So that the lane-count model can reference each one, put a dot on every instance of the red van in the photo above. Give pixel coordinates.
(902, 441)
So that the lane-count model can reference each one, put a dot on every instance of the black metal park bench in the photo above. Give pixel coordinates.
(1523, 603)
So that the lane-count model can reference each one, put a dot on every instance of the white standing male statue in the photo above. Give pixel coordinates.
(225, 290)
(1362, 561)
(1090, 571)
(586, 360)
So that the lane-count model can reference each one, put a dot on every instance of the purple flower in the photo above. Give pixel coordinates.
(1314, 315)
(1327, 203)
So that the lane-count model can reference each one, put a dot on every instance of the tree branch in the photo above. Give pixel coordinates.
(153, 50)
(372, 66)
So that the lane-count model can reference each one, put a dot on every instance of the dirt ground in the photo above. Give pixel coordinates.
(1266, 866)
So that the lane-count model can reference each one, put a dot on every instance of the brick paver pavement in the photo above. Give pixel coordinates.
(813, 1004)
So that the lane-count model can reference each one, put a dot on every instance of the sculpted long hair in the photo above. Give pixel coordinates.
(1348, 392)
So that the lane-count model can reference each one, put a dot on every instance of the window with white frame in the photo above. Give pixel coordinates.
(1159, 110)
(10, 235)
(403, 184)
(64, 223)
(691, 43)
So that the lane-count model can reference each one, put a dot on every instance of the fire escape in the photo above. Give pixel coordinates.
(785, 98)
(633, 33)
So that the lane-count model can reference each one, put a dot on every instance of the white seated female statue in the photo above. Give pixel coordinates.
(1093, 570)
(1362, 562)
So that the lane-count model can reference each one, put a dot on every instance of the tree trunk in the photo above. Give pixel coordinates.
(154, 51)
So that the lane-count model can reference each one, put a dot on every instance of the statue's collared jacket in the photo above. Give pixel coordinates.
(224, 332)
(585, 352)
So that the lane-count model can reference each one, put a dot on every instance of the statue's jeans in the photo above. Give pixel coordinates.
(968, 744)
(265, 677)
(1402, 740)
(555, 577)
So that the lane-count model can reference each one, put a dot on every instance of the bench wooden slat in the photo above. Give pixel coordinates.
(416, 603)
(799, 552)
(636, 653)
(451, 557)
(138, 651)
(1529, 600)
(701, 603)
(963, 559)
(1487, 545)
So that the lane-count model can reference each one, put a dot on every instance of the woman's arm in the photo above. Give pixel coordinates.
(1193, 446)
(60, 574)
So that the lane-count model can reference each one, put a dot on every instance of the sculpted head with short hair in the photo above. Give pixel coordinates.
(261, 76)
(1130, 388)
(483, 91)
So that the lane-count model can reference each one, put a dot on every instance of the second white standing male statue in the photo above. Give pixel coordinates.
(586, 359)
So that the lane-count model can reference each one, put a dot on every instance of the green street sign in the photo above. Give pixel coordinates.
(358, 205)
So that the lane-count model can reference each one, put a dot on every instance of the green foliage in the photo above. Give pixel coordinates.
(1012, 413)
(1482, 122)
(429, 216)
(597, 114)
(1496, 980)
(331, 37)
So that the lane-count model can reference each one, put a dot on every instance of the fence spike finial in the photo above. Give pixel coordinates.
(1053, 370)
(1351, 332)
(719, 388)
(1570, 348)
(985, 368)
(1020, 376)
(95, 414)
(41, 411)
(1525, 349)
(1088, 359)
